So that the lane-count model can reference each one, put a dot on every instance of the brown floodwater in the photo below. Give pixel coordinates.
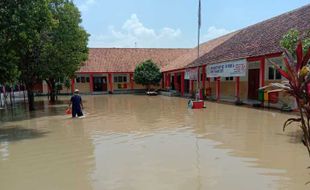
(137, 142)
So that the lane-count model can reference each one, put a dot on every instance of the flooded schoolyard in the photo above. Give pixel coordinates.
(135, 142)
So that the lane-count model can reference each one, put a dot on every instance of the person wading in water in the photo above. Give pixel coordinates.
(77, 105)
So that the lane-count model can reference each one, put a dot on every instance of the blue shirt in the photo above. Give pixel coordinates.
(76, 102)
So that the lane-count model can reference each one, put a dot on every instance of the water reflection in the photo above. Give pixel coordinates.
(140, 142)
(15, 133)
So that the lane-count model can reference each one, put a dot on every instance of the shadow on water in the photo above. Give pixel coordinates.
(16, 133)
(295, 136)
(43, 108)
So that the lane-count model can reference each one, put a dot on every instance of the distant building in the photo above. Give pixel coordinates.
(231, 67)
(111, 69)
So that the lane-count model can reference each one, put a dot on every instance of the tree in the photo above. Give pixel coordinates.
(42, 39)
(147, 74)
(290, 40)
(67, 45)
(8, 58)
(27, 23)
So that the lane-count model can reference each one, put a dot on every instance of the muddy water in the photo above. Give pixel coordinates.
(138, 142)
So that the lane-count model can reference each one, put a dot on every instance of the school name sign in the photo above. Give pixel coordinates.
(228, 69)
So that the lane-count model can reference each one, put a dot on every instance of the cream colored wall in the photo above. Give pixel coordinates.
(45, 87)
(139, 86)
(83, 87)
(213, 87)
(115, 86)
(243, 89)
(228, 88)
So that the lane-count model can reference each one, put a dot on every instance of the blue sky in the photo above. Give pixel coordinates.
(172, 23)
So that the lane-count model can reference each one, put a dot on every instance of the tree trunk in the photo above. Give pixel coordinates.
(52, 86)
(1, 99)
(30, 94)
(11, 101)
(24, 94)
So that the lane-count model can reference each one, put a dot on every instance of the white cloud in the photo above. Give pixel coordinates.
(85, 5)
(214, 32)
(134, 32)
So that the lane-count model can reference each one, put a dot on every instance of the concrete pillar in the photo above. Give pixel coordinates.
(182, 83)
(218, 88)
(262, 73)
(237, 88)
(204, 77)
(110, 82)
(131, 81)
(72, 85)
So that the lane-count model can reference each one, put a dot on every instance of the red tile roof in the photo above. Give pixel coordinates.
(259, 39)
(125, 59)
(256, 40)
(188, 58)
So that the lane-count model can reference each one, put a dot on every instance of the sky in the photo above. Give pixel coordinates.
(172, 23)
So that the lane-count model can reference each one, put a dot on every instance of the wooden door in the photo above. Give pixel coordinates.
(253, 82)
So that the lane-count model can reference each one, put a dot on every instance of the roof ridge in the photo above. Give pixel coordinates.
(275, 17)
(261, 22)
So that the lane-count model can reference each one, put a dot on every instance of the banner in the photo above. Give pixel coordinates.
(228, 69)
(191, 74)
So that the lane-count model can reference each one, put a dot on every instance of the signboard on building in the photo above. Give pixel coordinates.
(228, 69)
(191, 74)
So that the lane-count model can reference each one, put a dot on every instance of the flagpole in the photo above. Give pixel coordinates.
(198, 41)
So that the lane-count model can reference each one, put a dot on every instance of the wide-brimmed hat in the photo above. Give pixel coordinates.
(76, 90)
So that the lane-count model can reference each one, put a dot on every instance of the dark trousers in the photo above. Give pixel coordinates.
(77, 112)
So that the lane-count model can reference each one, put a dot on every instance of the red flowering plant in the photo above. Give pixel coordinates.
(297, 72)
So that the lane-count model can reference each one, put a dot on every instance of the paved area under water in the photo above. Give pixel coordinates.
(136, 142)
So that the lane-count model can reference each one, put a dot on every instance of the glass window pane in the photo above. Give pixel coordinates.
(87, 79)
(115, 79)
(270, 73)
(78, 79)
(124, 79)
(83, 79)
(120, 79)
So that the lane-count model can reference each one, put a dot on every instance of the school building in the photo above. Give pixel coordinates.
(231, 67)
(234, 66)
(110, 70)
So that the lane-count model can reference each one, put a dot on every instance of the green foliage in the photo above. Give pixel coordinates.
(58, 86)
(67, 83)
(66, 48)
(147, 73)
(8, 67)
(24, 27)
(289, 41)
(40, 40)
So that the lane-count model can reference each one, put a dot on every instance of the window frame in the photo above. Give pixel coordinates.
(229, 78)
(120, 78)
